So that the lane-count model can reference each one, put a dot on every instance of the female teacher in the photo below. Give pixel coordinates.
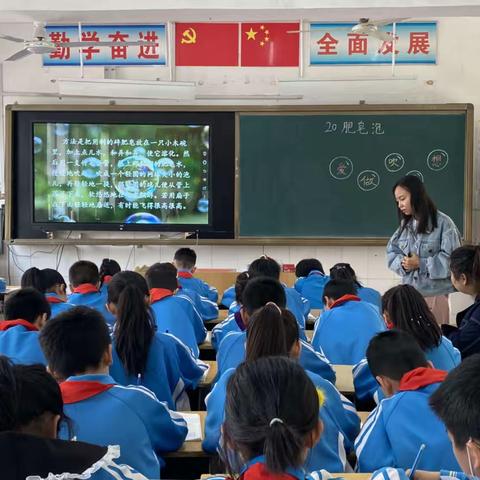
(419, 251)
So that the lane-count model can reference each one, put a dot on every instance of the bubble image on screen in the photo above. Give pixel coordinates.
(121, 173)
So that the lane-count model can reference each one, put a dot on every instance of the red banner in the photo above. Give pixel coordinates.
(270, 44)
(206, 44)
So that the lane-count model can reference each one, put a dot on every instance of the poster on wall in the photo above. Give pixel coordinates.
(336, 44)
(111, 55)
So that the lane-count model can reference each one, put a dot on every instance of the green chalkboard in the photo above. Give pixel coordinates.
(328, 174)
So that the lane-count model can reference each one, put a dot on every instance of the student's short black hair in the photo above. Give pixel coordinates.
(261, 290)
(110, 267)
(43, 280)
(185, 258)
(344, 271)
(27, 304)
(162, 275)
(82, 272)
(240, 284)
(393, 353)
(336, 289)
(457, 403)
(264, 267)
(74, 341)
(307, 265)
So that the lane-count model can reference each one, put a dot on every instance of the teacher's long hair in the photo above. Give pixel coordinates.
(423, 207)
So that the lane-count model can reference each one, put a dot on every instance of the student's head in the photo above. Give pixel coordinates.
(344, 271)
(405, 308)
(162, 275)
(76, 342)
(47, 280)
(272, 331)
(27, 304)
(307, 265)
(108, 268)
(185, 259)
(264, 267)
(128, 300)
(30, 400)
(335, 289)
(33, 278)
(392, 354)
(457, 404)
(271, 409)
(82, 272)
(258, 292)
(413, 201)
(465, 269)
(240, 284)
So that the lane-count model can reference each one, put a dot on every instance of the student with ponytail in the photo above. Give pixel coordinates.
(274, 332)
(31, 412)
(143, 356)
(107, 270)
(465, 276)
(52, 284)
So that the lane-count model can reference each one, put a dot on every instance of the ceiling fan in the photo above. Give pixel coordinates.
(41, 44)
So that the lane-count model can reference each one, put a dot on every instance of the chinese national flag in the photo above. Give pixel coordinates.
(206, 44)
(269, 45)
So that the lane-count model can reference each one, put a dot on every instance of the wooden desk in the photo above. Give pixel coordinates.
(209, 376)
(344, 381)
(192, 448)
(207, 344)
(363, 416)
(309, 335)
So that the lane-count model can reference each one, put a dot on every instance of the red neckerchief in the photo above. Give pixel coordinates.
(52, 299)
(107, 279)
(345, 299)
(185, 275)
(85, 288)
(6, 324)
(421, 377)
(157, 294)
(73, 392)
(258, 471)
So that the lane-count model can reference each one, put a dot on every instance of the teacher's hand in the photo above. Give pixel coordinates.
(411, 263)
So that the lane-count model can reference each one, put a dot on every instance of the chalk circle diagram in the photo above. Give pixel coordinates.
(417, 174)
(394, 162)
(437, 160)
(341, 168)
(368, 180)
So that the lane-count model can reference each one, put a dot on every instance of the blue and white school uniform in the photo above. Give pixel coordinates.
(171, 369)
(176, 314)
(228, 297)
(344, 331)
(105, 413)
(311, 287)
(370, 295)
(188, 281)
(207, 309)
(231, 352)
(89, 296)
(444, 357)
(394, 431)
(57, 304)
(340, 420)
(390, 473)
(233, 323)
(19, 342)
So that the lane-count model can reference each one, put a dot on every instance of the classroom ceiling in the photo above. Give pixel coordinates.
(126, 11)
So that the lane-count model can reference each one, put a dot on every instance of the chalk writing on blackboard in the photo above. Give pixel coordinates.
(341, 168)
(350, 127)
(394, 162)
(368, 180)
(437, 160)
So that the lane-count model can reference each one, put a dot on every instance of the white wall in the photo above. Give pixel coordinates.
(454, 79)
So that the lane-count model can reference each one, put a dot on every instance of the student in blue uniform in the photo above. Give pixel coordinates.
(271, 420)
(174, 313)
(26, 311)
(107, 270)
(31, 410)
(52, 284)
(234, 322)
(347, 324)
(311, 281)
(404, 308)
(465, 276)
(274, 332)
(185, 260)
(78, 350)
(258, 292)
(394, 431)
(84, 281)
(344, 271)
(143, 356)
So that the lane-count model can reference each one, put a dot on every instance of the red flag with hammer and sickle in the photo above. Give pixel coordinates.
(206, 44)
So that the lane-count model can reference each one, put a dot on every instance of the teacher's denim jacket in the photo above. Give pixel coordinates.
(434, 248)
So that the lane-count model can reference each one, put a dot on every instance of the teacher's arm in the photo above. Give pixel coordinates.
(395, 255)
